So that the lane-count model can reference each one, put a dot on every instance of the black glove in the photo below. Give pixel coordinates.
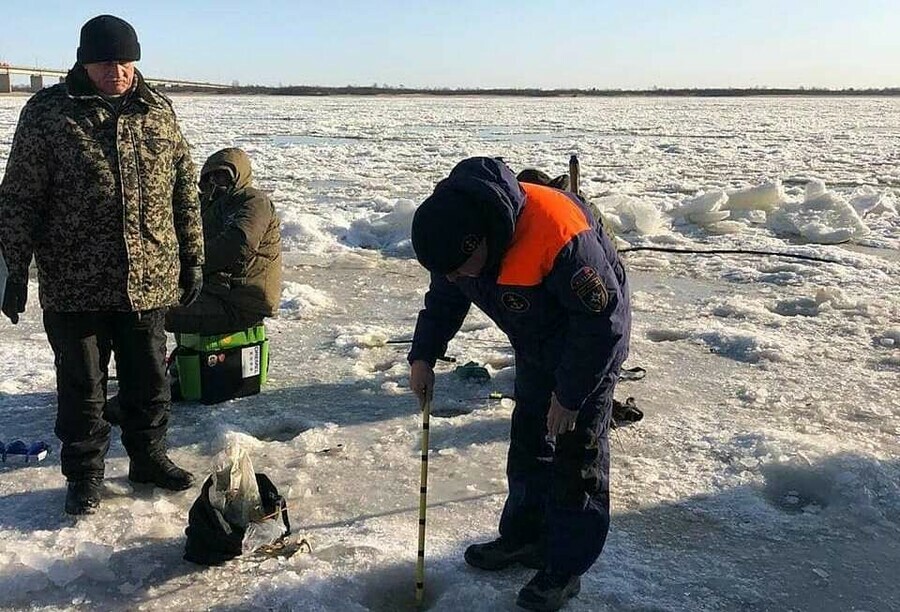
(191, 282)
(14, 300)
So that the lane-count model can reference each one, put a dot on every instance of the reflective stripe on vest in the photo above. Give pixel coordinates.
(549, 221)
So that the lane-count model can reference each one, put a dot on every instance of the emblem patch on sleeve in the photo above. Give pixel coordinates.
(470, 243)
(590, 289)
(515, 302)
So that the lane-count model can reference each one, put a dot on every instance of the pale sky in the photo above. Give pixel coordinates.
(624, 44)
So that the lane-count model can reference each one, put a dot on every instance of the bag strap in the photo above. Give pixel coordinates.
(284, 515)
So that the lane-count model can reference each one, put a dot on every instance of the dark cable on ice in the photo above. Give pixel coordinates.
(730, 252)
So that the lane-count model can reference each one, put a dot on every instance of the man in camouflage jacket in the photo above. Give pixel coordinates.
(101, 190)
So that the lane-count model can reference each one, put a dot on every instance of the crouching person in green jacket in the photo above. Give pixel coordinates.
(242, 269)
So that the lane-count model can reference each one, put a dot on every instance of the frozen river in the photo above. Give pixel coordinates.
(764, 476)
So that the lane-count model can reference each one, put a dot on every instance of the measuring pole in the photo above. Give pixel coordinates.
(423, 504)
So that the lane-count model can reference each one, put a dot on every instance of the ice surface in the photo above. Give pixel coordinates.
(763, 476)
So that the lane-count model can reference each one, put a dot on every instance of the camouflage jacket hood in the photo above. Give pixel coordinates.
(103, 196)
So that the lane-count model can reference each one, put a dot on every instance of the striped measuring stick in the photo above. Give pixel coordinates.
(423, 504)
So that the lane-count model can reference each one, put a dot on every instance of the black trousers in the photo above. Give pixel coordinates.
(558, 489)
(210, 315)
(82, 343)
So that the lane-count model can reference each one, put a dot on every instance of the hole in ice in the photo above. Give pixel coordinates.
(393, 589)
(667, 335)
(796, 488)
(280, 431)
(449, 411)
(794, 307)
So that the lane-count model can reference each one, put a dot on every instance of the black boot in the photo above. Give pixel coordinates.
(158, 469)
(548, 591)
(83, 496)
(500, 554)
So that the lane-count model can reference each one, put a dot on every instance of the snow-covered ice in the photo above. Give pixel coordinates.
(763, 477)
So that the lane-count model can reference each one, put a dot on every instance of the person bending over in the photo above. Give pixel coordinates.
(537, 262)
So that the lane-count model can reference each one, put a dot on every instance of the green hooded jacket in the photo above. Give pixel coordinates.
(104, 198)
(243, 240)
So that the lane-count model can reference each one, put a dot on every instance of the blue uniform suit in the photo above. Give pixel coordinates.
(556, 286)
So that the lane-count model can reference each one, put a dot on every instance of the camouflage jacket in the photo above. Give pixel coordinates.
(104, 198)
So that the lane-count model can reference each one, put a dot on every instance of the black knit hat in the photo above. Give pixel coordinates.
(446, 230)
(108, 39)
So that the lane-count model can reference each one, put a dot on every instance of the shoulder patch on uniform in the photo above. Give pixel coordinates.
(470, 243)
(515, 302)
(590, 289)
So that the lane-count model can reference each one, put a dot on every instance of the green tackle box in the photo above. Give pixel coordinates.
(213, 369)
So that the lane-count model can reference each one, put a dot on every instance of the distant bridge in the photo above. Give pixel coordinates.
(38, 74)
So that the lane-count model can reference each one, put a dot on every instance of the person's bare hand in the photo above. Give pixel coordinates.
(421, 380)
(560, 420)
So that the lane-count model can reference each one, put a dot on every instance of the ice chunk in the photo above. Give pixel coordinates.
(767, 196)
(814, 189)
(756, 217)
(142, 508)
(361, 337)
(302, 301)
(630, 215)
(704, 203)
(826, 219)
(93, 560)
(99, 553)
(724, 227)
(18, 582)
(306, 232)
(35, 559)
(868, 200)
(386, 232)
(703, 218)
(62, 572)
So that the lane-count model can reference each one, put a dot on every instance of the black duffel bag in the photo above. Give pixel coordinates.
(212, 540)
